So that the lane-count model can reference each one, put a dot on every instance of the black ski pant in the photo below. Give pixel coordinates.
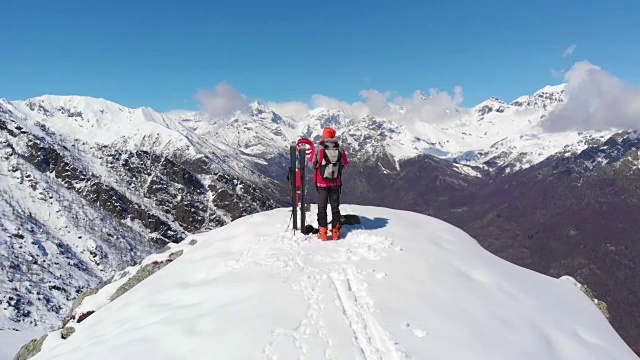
(328, 195)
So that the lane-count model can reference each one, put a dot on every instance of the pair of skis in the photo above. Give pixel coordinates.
(298, 156)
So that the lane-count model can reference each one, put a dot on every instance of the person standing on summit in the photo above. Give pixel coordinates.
(328, 161)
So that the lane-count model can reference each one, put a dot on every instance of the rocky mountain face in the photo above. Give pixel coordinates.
(74, 212)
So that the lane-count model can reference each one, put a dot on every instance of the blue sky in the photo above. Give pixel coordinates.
(159, 54)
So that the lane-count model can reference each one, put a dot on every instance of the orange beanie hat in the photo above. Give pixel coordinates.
(328, 133)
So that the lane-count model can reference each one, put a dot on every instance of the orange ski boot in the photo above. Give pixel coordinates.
(335, 232)
(322, 234)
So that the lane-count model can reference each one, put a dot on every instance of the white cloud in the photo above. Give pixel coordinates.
(436, 107)
(377, 104)
(222, 101)
(569, 51)
(596, 100)
(318, 100)
(294, 109)
(357, 109)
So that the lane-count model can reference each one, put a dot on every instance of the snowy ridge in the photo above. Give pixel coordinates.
(97, 122)
(252, 289)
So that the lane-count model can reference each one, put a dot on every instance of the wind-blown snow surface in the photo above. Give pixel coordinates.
(400, 285)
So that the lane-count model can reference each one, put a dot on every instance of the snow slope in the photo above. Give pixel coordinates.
(399, 286)
(93, 120)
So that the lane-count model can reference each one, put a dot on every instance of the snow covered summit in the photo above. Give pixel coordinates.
(399, 286)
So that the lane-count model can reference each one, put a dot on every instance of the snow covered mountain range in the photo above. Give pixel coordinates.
(398, 286)
(149, 179)
(492, 135)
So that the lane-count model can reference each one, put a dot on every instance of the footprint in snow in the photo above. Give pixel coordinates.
(416, 330)
(379, 275)
(419, 333)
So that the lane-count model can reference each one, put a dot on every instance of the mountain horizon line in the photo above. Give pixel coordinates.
(271, 104)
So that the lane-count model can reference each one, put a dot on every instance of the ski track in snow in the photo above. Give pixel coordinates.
(292, 258)
(358, 308)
